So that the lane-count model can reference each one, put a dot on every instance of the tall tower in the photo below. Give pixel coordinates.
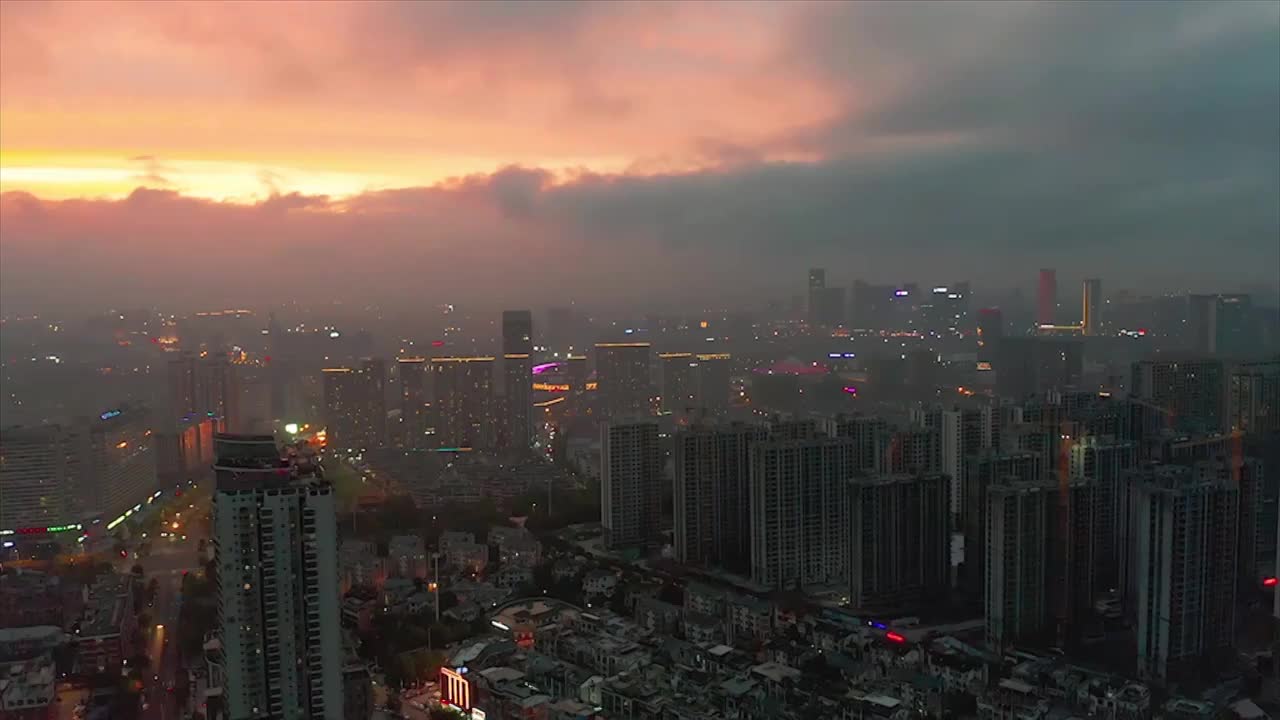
(799, 510)
(517, 346)
(1047, 297)
(1091, 312)
(275, 540)
(1019, 522)
(630, 482)
(817, 286)
(1186, 574)
(712, 495)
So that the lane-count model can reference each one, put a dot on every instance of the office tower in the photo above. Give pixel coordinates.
(799, 511)
(1185, 554)
(870, 437)
(1254, 397)
(517, 375)
(1019, 528)
(900, 540)
(413, 401)
(1026, 366)
(712, 382)
(817, 284)
(982, 472)
(275, 540)
(622, 374)
(463, 401)
(711, 493)
(1047, 298)
(630, 483)
(1191, 392)
(679, 387)
(964, 433)
(355, 406)
(990, 332)
(1091, 312)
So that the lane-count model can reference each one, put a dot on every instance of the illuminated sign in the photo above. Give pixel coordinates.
(551, 387)
(593, 385)
(291, 428)
(900, 293)
(546, 367)
(455, 690)
(109, 414)
(984, 366)
(940, 290)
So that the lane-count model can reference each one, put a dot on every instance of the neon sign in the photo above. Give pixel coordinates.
(551, 387)
(455, 690)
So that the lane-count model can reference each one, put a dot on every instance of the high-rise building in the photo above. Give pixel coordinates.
(517, 347)
(915, 450)
(356, 406)
(184, 391)
(1254, 397)
(1087, 554)
(622, 374)
(1091, 312)
(275, 539)
(1245, 475)
(1047, 298)
(57, 475)
(799, 510)
(463, 401)
(982, 472)
(413, 401)
(630, 482)
(1019, 530)
(964, 433)
(203, 384)
(817, 284)
(712, 382)
(711, 494)
(1185, 554)
(870, 437)
(900, 540)
(1192, 392)
(829, 308)
(1107, 463)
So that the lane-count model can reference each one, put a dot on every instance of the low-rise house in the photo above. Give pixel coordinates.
(407, 556)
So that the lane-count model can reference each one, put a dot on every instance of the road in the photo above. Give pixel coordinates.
(167, 564)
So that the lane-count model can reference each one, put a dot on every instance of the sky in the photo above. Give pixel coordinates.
(532, 152)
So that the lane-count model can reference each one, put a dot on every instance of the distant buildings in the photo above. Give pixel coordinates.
(204, 383)
(1027, 366)
(630, 483)
(1254, 397)
(275, 534)
(1047, 297)
(517, 345)
(355, 405)
(900, 540)
(464, 401)
(1091, 312)
(413, 401)
(1186, 571)
(622, 374)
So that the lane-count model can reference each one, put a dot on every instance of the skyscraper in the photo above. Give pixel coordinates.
(900, 540)
(1091, 312)
(870, 437)
(413, 401)
(817, 284)
(1254, 402)
(463, 401)
(622, 374)
(1192, 392)
(275, 546)
(712, 495)
(679, 386)
(1186, 571)
(1107, 463)
(630, 482)
(1047, 298)
(982, 472)
(517, 374)
(964, 432)
(799, 511)
(1019, 529)
(990, 332)
(203, 384)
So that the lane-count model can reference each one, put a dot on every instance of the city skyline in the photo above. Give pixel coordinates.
(705, 147)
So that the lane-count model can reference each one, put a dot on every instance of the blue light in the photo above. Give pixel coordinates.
(878, 626)
(109, 414)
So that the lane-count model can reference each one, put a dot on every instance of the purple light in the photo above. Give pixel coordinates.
(900, 293)
(851, 389)
(546, 367)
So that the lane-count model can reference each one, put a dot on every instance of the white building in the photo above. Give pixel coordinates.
(275, 534)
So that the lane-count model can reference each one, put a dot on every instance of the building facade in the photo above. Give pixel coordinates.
(711, 495)
(900, 540)
(630, 483)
